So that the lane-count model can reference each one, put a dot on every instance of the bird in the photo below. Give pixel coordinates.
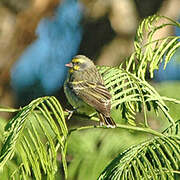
(85, 90)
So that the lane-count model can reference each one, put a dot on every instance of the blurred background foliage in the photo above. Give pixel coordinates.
(38, 37)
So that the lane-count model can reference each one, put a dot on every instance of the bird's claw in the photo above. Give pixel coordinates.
(70, 112)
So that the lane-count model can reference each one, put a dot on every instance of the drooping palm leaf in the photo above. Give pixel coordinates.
(35, 134)
(157, 158)
(150, 52)
(131, 94)
(173, 130)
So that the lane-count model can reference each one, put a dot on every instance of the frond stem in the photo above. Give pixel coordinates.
(121, 126)
(176, 101)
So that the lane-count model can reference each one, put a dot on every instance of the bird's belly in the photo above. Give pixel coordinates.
(78, 103)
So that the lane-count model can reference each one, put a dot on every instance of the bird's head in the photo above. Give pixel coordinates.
(80, 63)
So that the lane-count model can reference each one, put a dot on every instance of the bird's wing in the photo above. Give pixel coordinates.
(94, 94)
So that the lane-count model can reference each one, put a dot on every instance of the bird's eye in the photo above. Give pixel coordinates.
(74, 63)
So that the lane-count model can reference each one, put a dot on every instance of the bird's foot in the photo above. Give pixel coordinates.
(70, 112)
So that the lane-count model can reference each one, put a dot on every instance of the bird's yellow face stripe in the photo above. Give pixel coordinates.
(78, 60)
(74, 68)
(71, 70)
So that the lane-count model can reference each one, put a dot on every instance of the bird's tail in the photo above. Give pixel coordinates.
(106, 121)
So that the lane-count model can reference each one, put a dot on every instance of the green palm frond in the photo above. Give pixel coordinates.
(11, 166)
(35, 134)
(150, 52)
(157, 158)
(173, 130)
(131, 94)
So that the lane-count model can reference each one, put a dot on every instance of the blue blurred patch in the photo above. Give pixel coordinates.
(40, 70)
(172, 71)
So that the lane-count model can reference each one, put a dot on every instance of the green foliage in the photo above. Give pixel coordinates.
(35, 139)
(157, 158)
(150, 52)
(131, 94)
(35, 134)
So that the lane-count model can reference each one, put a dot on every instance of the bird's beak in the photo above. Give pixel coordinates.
(70, 65)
